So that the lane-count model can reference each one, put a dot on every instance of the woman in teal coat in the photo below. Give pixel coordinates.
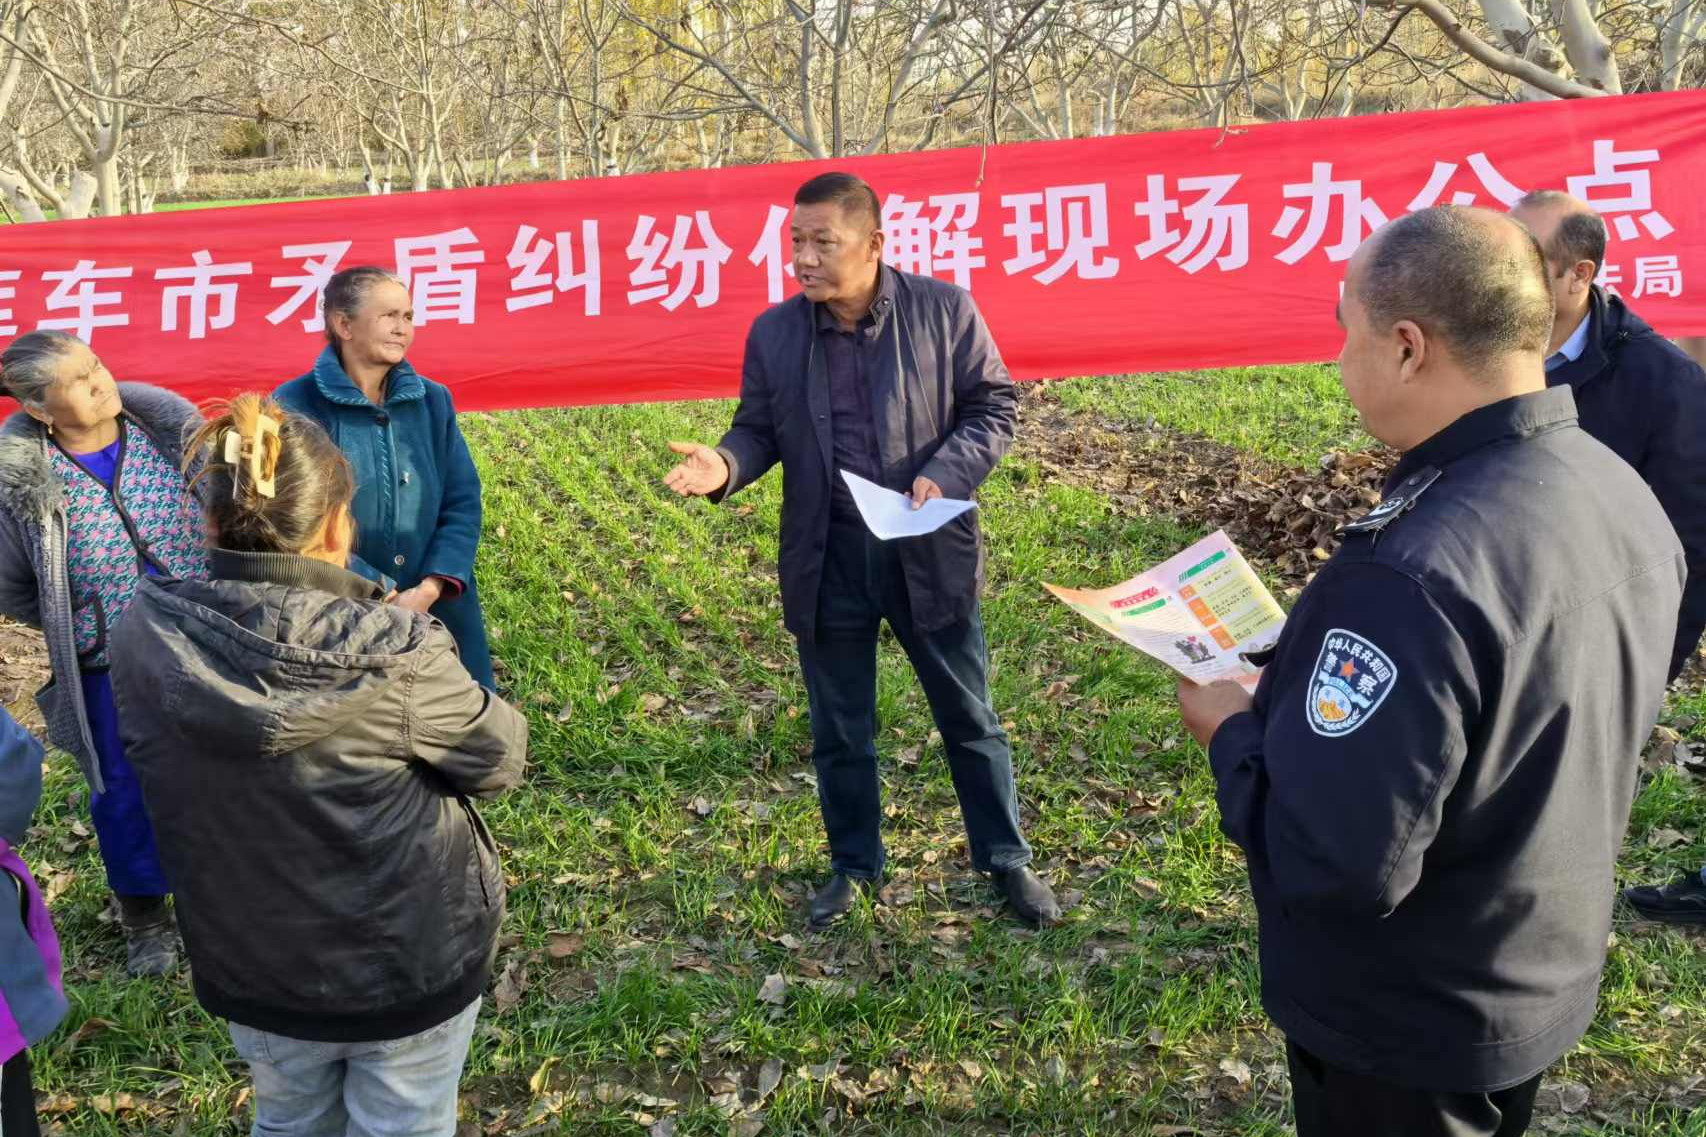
(417, 501)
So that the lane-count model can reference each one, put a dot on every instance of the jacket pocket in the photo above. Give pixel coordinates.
(89, 625)
(51, 700)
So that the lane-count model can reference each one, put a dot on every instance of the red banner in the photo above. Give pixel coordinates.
(1097, 256)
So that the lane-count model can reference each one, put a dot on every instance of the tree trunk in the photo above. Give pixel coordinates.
(1586, 47)
(81, 199)
(107, 189)
(19, 196)
(1681, 29)
(1517, 34)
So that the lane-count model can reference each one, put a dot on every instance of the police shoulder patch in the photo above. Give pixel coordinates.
(1352, 677)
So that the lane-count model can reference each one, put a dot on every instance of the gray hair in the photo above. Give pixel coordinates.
(1451, 271)
(29, 366)
(347, 290)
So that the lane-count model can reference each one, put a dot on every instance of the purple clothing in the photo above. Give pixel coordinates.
(103, 462)
(852, 424)
(32, 996)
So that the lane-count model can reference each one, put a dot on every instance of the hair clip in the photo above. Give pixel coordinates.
(257, 456)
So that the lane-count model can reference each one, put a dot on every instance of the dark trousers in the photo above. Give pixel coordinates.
(1333, 1102)
(18, 1098)
(122, 829)
(862, 586)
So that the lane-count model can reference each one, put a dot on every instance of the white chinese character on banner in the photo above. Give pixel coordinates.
(201, 288)
(1219, 233)
(1610, 276)
(8, 292)
(1358, 213)
(768, 255)
(441, 279)
(1491, 180)
(1657, 276)
(1075, 226)
(700, 268)
(1635, 203)
(319, 263)
(943, 244)
(77, 290)
(532, 252)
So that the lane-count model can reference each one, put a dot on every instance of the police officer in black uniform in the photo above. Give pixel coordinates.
(1432, 781)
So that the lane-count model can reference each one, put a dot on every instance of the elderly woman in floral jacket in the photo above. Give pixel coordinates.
(92, 497)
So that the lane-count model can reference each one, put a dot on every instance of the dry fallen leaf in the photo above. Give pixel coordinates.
(1236, 1069)
(113, 1103)
(90, 1028)
(774, 991)
(769, 1077)
(1665, 838)
(511, 986)
(561, 945)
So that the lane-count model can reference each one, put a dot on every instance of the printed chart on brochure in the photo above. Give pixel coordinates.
(1196, 612)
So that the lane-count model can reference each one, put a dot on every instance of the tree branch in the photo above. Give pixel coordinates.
(1489, 56)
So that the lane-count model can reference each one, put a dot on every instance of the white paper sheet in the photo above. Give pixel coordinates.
(890, 515)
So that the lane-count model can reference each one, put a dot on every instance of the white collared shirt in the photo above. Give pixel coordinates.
(1571, 349)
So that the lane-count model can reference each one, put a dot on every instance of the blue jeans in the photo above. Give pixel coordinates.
(404, 1087)
(863, 585)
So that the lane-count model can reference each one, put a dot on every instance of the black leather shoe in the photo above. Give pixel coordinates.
(1030, 897)
(1682, 901)
(832, 900)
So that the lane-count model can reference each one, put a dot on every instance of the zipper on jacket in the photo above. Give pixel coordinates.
(474, 835)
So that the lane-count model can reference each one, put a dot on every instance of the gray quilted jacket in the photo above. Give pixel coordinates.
(35, 587)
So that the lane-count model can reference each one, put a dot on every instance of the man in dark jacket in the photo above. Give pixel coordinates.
(1645, 398)
(895, 378)
(1433, 780)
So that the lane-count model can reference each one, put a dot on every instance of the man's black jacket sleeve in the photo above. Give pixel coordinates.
(1335, 783)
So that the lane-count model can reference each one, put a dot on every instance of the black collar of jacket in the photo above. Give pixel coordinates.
(289, 568)
(881, 308)
(1516, 417)
(1608, 326)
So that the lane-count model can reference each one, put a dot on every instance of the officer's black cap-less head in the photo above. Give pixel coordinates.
(1444, 311)
(1474, 281)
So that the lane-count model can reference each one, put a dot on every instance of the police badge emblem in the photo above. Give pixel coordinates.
(1352, 677)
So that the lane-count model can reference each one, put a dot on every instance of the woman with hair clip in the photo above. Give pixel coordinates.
(308, 752)
(92, 499)
(417, 493)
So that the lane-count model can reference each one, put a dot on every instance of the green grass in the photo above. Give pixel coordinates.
(178, 206)
(1291, 414)
(668, 824)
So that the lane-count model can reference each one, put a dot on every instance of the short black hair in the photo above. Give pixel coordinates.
(1580, 235)
(1459, 279)
(852, 193)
